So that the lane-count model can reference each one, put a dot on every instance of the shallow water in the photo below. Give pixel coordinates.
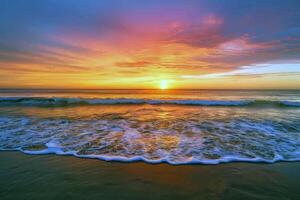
(177, 127)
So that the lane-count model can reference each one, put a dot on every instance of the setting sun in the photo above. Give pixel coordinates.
(163, 84)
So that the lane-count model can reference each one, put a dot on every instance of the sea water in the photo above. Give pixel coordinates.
(173, 126)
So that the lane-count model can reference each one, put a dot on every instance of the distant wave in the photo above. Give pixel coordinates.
(55, 101)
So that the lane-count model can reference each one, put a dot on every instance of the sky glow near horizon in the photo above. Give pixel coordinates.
(205, 44)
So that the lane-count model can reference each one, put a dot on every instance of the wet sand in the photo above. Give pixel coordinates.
(65, 177)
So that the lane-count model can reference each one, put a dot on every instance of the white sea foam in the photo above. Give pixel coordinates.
(178, 139)
(39, 101)
(190, 160)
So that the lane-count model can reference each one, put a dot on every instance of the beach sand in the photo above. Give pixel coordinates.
(66, 177)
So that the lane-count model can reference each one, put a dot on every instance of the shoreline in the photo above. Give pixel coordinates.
(24, 176)
(140, 159)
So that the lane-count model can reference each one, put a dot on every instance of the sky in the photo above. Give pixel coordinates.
(138, 44)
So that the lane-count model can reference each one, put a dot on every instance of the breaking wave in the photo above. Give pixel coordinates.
(40, 101)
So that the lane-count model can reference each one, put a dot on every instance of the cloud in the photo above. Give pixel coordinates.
(248, 71)
(136, 64)
(147, 38)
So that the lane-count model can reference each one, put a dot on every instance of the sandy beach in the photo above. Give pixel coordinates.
(65, 177)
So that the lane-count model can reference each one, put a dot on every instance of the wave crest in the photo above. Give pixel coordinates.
(54, 101)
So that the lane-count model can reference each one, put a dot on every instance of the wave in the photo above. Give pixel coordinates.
(175, 138)
(55, 101)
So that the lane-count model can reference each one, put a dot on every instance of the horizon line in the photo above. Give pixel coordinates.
(148, 89)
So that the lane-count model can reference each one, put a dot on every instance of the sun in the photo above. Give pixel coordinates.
(163, 84)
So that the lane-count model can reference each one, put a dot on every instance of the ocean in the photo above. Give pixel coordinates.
(154, 126)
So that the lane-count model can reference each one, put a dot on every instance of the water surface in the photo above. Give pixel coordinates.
(177, 126)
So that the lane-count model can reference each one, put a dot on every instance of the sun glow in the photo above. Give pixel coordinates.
(163, 84)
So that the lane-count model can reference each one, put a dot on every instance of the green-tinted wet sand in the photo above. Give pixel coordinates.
(63, 177)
